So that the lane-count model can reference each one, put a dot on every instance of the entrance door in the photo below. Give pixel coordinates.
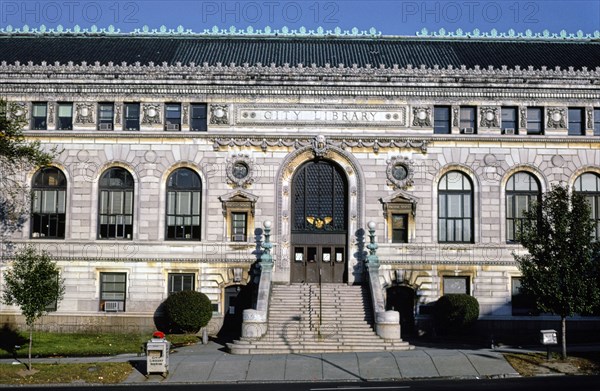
(325, 263)
(319, 223)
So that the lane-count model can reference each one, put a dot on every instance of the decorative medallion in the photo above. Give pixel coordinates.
(489, 117)
(557, 161)
(219, 115)
(556, 118)
(151, 114)
(84, 113)
(240, 170)
(421, 116)
(400, 172)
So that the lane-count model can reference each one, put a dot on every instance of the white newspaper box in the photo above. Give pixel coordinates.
(157, 356)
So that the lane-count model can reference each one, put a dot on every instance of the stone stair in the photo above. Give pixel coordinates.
(296, 326)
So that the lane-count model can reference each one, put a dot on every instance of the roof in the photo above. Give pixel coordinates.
(375, 51)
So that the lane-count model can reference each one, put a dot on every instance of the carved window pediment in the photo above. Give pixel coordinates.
(399, 202)
(238, 210)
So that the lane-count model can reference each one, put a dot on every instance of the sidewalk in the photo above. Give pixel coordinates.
(211, 364)
(208, 364)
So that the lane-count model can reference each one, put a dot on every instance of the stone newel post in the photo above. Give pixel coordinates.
(387, 323)
(254, 323)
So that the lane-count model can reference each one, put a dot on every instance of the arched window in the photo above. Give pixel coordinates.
(115, 217)
(455, 203)
(521, 190)
(48, 204)
(184, 190)
(589, 185)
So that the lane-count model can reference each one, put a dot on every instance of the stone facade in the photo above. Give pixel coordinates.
(366, 121)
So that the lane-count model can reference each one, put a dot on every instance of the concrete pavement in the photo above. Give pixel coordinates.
(212, 364)
(209, 363)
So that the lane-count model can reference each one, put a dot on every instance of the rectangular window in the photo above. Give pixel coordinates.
(113, 291)
(172, 116)
(522, 304)
(456, 285)
(198, 117)
(181, 282)
(468, 121)
(106, 113)
(238, 226)
(132, 116)
(596, 122)
(509, 120)
(65, 116)
(576, 123)
(535, 120)
(441, 120)
(39, 115)
(400, 228)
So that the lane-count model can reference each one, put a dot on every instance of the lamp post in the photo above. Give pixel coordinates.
(266, 260)
(372, 258)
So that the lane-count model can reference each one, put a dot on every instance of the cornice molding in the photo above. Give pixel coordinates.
(205, 71)
(225, 139)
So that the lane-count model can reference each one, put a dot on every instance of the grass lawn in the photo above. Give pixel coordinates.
(101, 373)
(534, 364)
(79, 345)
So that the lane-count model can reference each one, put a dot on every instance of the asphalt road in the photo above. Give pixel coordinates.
(548, 383)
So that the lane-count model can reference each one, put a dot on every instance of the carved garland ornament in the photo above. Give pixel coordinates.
(84, 113)
(489, 117)
(151, 114)
(400, 172)
(421, 116)
(265, 143)
(240, 171)
(20, 111)
(556, 118)
(219, 115)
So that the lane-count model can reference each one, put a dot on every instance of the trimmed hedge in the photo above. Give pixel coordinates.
(188, 311)
(455, 313)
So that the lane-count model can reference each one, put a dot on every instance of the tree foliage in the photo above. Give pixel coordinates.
(17, 156)
(32, 283)
(561, 267)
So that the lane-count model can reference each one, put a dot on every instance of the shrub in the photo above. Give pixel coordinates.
(455, 313)
(188, 311)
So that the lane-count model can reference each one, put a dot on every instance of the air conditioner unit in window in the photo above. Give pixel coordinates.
(112, 306)
(106, 126)
(509, 130)
(468, 130)
(172, 126)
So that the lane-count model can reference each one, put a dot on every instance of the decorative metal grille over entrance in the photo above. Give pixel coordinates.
(319, 198)
(319, 223)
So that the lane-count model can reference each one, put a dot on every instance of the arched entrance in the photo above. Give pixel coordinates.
(402, 299)
(319, 223)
